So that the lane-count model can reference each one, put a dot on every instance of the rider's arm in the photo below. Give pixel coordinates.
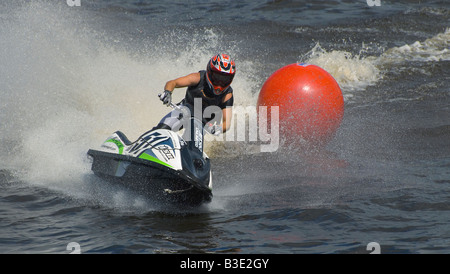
(185, 81)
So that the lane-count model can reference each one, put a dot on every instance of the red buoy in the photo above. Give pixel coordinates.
(311, 105)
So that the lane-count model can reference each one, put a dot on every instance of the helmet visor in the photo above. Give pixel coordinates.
(220, 78)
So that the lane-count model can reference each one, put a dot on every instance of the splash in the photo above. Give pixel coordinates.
(358, 71)
(63, 89)
(350, 71)
(57, 84)
(433, 49)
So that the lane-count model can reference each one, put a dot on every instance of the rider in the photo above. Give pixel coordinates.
(212, 86)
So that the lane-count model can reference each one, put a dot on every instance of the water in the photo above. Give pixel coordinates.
(69, 76)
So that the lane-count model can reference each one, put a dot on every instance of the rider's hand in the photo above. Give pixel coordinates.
(166, 97)
(213, 129)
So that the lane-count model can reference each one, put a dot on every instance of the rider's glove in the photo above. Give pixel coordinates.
(166, 97)
(213, 129)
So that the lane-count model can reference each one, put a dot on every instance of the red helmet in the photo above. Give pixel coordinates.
(220, 72)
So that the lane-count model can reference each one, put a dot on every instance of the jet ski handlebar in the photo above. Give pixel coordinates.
(172, 105)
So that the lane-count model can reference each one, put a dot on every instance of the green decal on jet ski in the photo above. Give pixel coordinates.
(145, 156)
(118, 144)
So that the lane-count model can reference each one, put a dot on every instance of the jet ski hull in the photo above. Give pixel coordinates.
(151, 179)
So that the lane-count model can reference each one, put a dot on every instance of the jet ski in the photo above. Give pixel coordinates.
(160, 164)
